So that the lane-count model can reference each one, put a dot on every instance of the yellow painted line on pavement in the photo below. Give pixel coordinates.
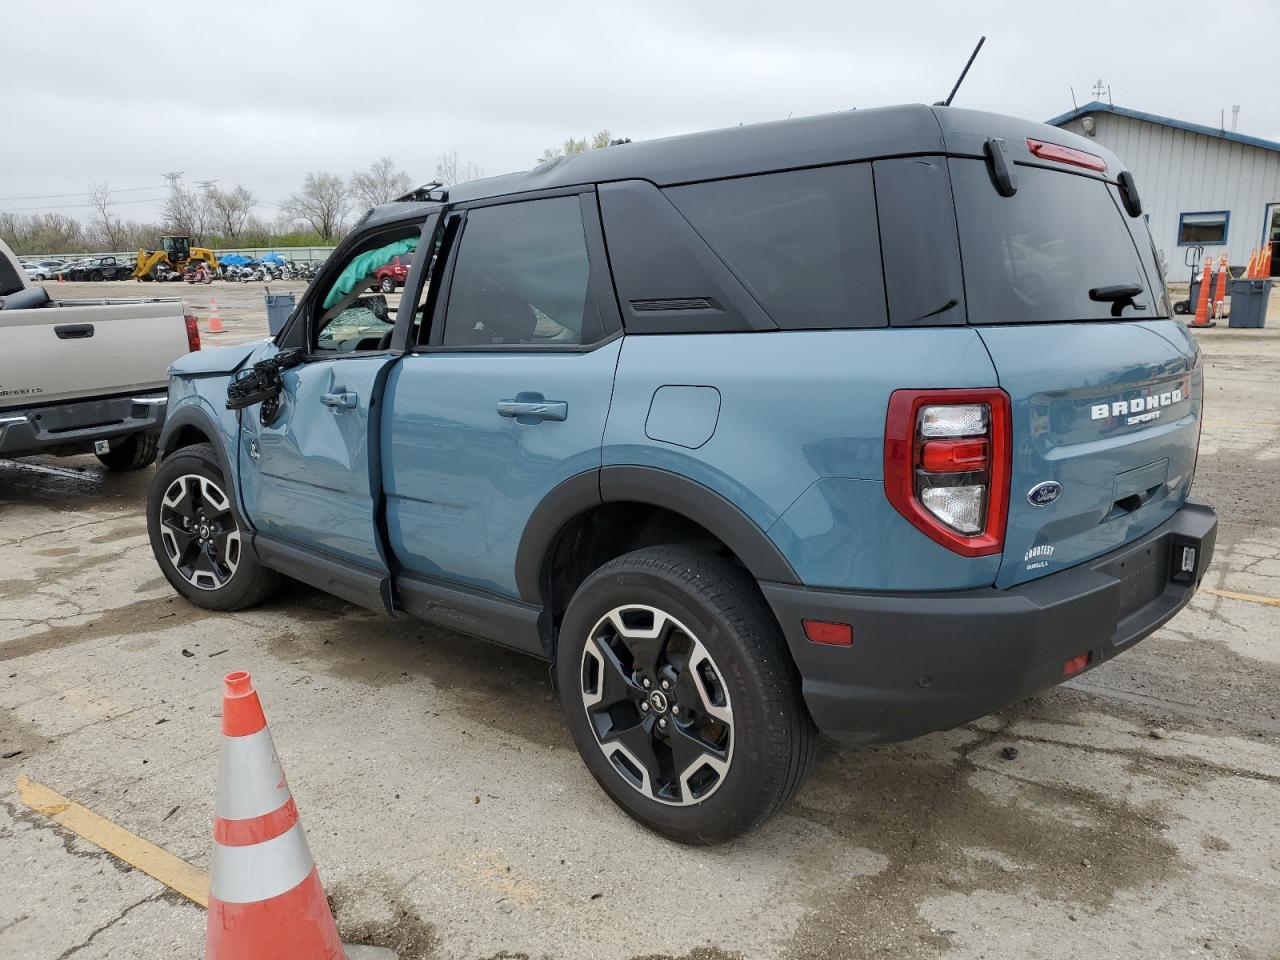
(172, 871)
(1249, 597)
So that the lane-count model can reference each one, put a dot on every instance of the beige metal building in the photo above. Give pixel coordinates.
(1200, 186)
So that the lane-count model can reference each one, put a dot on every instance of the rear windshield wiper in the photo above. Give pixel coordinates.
(1119, 295)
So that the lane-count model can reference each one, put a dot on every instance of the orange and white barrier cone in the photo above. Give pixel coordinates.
(1202, 301)
(1264, 270)
(1253, 265)
(215, 321)
(1220, 287)
(265, 898)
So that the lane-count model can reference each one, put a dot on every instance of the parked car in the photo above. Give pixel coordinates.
(97, 268)
(868, 423)
(392, 274)
(85, 376)
(41, 270)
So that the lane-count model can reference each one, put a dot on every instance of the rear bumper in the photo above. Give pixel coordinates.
(930, 661)
(71, 426)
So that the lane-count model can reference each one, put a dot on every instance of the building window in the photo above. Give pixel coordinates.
(1207, 228)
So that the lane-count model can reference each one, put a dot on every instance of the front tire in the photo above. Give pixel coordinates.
(196, 536)
(132, 453)
(681, 695)
(387, 285)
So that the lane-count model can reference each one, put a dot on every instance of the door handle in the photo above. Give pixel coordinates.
(339, 401)
(534, 410)
(73, 331)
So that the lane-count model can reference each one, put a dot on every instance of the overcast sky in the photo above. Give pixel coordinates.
(259, 93)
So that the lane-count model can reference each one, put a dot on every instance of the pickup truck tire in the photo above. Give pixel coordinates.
(207, 565)
(387, 285)
(132, 453)
(681, 695)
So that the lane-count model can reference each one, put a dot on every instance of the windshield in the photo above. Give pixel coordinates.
(1054, 251)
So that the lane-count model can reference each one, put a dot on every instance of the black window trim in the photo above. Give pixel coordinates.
(599, 276)
(301, 322)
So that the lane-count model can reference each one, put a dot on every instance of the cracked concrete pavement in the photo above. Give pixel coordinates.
(451, 818)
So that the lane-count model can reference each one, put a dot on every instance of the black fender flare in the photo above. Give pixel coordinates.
(659, 488)
(191, 416)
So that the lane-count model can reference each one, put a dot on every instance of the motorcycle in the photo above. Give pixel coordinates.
(198, 273)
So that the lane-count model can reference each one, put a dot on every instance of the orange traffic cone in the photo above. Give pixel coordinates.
(265, 898)
(1202, 301)
(1264, 269)
(1220, 287)
(215, 321)
(1253, 265)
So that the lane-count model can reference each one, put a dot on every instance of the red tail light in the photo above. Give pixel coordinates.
(947, 459)
(1060, 154)
(193, 333)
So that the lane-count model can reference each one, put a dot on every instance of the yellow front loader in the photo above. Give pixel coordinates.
(177, 253)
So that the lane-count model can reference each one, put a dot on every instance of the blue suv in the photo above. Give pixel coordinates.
(867, 423)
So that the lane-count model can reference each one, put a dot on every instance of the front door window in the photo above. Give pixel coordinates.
(354, 315)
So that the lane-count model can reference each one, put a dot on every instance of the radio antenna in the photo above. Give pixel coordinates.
(963, 73)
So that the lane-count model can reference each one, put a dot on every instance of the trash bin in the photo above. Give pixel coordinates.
(279, 306)
(1249, 302)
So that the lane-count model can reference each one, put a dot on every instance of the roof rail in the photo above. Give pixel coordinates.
(435, 191)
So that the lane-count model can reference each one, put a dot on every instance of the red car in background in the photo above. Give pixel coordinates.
(393, 273)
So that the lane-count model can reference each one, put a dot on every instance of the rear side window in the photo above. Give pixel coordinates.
(804, 243)
(522, 278)
(1035, 256)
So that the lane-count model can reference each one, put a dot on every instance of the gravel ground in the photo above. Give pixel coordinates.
(450, 815)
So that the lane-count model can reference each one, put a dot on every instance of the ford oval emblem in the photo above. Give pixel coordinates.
(1043, 494)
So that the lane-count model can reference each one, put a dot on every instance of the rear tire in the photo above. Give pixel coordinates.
(196, 535)
(132, 453)
(681, 696)
(387, 285)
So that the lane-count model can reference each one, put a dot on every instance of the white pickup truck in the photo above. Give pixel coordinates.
(79, 376)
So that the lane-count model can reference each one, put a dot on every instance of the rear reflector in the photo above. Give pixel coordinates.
(1075, 665)
(1061, 154)
(824, 631)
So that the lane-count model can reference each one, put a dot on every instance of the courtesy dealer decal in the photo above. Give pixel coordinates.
(1039, 555)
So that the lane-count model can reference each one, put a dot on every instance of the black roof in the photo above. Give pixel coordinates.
(843, 137)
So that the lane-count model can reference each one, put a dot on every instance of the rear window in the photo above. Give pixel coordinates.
(804, 243)
(1034, 257)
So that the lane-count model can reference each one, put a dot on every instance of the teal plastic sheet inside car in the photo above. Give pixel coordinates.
(363, 266)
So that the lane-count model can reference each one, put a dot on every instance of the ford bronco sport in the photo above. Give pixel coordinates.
(867, 423)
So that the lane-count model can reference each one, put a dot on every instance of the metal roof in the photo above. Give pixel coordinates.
(1097, 106)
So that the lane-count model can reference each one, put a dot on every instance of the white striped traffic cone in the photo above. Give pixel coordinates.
(265, 898)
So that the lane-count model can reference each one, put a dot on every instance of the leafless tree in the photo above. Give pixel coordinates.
(42, 233)
(187, 211)
(230, 209)
(109, 228)
(452, 169)
(322, 202)
(380, 184)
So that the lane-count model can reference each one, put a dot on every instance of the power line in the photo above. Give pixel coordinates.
(69, 206)
(82, 193)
